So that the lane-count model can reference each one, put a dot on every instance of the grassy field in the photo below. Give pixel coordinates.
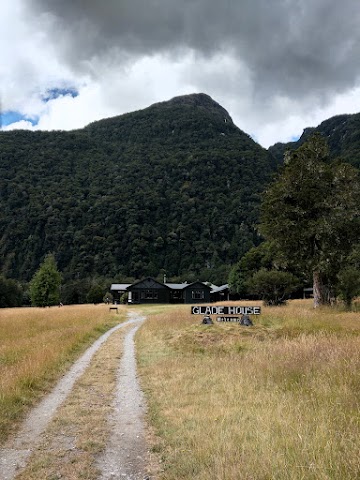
(279, 400)
(36, 346)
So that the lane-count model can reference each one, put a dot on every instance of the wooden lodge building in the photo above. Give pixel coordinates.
(150, 290)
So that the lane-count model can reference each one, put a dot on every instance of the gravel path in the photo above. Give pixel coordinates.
(125, 455)
(14, 455)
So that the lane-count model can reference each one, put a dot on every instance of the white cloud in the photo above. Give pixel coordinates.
(29, 63)
(21, 125)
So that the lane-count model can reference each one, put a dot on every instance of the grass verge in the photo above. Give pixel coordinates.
(37, 345)
(279, 400)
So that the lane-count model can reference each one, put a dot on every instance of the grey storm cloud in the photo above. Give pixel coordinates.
(290, 47)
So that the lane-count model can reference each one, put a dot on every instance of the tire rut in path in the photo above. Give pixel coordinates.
(16, 451)
(126, 453)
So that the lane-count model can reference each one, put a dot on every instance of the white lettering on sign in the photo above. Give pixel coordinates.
(208, 310)
(228, 319)
(225, 310)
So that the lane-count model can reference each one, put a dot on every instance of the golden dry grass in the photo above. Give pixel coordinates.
(276, 401)
(37, 344)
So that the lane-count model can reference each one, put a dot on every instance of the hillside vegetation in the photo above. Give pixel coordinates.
(175, 186)
(342, 133)
(172, 188)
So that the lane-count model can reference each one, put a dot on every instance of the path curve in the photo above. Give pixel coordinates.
(14, 454)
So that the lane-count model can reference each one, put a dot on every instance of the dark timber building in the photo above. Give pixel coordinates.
(150, 290)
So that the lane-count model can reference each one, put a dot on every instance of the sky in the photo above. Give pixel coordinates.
(277, 66)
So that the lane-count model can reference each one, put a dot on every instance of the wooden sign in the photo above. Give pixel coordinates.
(233, 310)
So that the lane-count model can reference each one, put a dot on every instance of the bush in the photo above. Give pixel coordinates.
(95, 294)
(108, 297)
(124, 298)
(348, 285)
(272, 286)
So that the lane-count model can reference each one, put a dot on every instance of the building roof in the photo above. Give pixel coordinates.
(216, 289)
(120, 286)
(182, 286)
(196, 283)
(149, 282)
(177, 286)
(172, 286)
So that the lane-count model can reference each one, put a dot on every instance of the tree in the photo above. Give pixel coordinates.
(45, 284)
(311, 213)
(74, 292)
(348, 285)
(95, 294)
(256, 258)
(273, 286)
(10, 293)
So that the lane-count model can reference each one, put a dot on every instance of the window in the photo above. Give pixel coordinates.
(177, 294)
(151, 294)
(198, 294)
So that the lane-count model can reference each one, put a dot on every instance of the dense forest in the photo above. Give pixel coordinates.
(342, 133)
(173, 188)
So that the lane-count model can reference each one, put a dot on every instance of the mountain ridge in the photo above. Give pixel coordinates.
(171, 187)
(342, 133)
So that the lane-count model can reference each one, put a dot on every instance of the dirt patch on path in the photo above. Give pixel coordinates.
(52, 446)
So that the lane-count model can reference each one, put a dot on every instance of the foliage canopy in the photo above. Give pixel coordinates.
(311, 213)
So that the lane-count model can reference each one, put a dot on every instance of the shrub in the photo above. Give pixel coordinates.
(274, 287)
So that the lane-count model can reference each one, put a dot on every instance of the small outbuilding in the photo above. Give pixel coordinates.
(117, 290)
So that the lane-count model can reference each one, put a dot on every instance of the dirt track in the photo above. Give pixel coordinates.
(125, 455)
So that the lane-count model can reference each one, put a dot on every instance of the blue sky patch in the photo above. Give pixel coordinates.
(8, 117)
(53, 93)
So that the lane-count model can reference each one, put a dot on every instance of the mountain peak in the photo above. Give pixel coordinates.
(197, 100)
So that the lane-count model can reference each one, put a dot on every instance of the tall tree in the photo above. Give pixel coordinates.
(45, 284)
(311, 213)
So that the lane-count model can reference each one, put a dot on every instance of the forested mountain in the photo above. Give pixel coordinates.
(343, 136)
(173, 187)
